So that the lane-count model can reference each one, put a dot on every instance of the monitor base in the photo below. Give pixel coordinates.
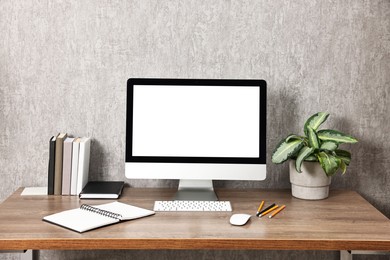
(196, 190)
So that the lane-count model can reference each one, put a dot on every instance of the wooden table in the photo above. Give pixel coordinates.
(344, 221)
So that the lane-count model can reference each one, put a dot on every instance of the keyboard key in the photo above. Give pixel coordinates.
(191, 205)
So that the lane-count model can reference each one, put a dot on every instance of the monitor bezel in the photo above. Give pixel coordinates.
(196, 82)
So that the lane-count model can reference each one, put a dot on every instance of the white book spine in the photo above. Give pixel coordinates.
(83, 167)
(75, 165)
(67, 165)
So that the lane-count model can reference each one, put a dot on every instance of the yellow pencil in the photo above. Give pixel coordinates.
(277, 211)
(268, 211)
(260, 207)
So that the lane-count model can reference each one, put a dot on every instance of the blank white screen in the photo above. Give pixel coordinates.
(196, 121)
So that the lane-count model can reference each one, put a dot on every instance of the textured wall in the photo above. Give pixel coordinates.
(64, 66)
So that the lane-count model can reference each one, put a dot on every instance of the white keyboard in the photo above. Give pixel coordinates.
(192, 205)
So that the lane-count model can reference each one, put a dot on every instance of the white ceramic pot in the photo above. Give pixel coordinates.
(311, 184)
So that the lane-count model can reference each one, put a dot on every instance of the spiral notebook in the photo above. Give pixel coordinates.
(89, 217)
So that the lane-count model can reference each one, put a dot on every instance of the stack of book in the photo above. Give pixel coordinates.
(68, 164)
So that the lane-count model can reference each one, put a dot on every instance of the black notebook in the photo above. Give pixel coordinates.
(89, 217)
(102, 190)
(51, 170)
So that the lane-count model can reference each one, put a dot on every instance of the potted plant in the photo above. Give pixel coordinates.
(314, 157)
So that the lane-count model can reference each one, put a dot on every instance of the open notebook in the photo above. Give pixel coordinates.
(90, 217)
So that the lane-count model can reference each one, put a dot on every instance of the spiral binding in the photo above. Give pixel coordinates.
(101, 211)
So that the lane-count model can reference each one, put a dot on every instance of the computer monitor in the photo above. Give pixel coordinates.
(196, 130)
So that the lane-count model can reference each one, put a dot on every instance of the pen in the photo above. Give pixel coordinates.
(264, 210)
(277, 211)
(268, 211)
(260, 207)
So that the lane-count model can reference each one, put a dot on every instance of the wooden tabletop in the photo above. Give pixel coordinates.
(344, 221)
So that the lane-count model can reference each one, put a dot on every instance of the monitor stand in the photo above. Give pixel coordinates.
(196, 190)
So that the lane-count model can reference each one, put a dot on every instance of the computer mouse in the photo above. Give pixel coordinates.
(239, 219)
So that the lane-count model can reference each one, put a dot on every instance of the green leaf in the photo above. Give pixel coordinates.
(315, 121)
(285, 150)
(311, 158)
(313, 139)
(343, 167)
(335, 136)
(345, 156)
(329, 163)
(303, 154)
(328, 145)
(294, 137)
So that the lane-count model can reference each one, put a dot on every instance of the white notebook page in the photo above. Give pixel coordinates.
(125, 210)
(80, 220)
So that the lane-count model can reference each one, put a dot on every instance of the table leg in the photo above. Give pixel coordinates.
(348, 255)
(345, 255)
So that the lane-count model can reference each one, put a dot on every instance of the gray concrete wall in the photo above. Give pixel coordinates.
(64, 66)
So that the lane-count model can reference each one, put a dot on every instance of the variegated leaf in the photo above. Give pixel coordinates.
(335, 136)
(315, 121)
(285, 150)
